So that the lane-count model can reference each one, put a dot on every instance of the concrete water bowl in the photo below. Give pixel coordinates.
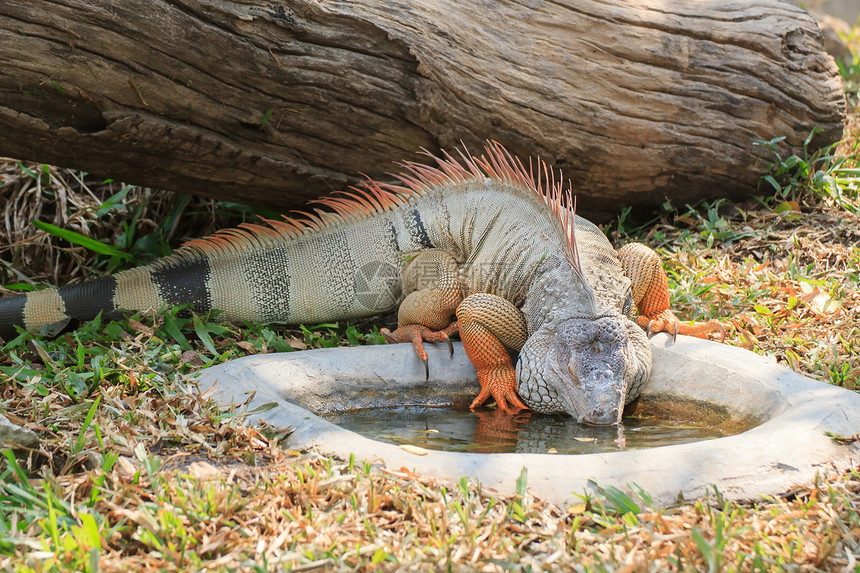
(789, 446)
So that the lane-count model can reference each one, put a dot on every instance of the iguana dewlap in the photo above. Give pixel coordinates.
(482, 241)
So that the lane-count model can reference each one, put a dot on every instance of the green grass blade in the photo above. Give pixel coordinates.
(203, 335)
(78, 239)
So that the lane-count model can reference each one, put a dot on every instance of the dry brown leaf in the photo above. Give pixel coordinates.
(140, 328)
(817, 299)
(204, 471)
(191, 358)
(125, 466)
(245, 345)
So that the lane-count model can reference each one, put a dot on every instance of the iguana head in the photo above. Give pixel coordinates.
(581, 366)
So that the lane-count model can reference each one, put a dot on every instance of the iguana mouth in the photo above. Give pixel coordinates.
(599, 415)
(584, 406)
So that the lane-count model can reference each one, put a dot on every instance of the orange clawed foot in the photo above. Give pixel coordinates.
(418, 334)
(651, 294)
(500, 383)
(489, 325)
(666, 321)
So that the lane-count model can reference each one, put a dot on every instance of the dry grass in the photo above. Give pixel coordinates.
(158, 480)
(117, 214)
(134, 471)
(786, 285)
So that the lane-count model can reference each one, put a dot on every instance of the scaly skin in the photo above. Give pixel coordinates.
(651, 294)
(490, 325)
(482, 240)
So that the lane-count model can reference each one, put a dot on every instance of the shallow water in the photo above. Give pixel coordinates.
(491, 431)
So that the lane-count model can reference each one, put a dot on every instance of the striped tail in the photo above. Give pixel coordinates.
(55, 307)
(171, 281)
(11, 314)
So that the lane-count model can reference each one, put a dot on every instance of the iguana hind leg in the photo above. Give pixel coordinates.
(651, 294)
(427, 314)
(490, 324)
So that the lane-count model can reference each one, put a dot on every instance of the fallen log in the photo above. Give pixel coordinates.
(275, 103)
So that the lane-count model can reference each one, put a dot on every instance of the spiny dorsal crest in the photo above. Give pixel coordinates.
(372, 197)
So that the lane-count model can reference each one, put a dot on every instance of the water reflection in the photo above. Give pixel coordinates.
(493, 431)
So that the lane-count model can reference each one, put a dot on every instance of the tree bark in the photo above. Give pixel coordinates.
(276, 102)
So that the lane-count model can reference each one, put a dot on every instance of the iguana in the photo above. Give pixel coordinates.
(477, 244)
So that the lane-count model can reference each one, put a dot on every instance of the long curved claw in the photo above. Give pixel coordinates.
(418, 334)
(650, 289)
(507, 401)
(453, 328)
(480, 399)
(666, 321)
(500, 384)
(502, 399)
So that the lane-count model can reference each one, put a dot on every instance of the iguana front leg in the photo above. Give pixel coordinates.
(651, 294)
(427, 314)
(490, 324)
